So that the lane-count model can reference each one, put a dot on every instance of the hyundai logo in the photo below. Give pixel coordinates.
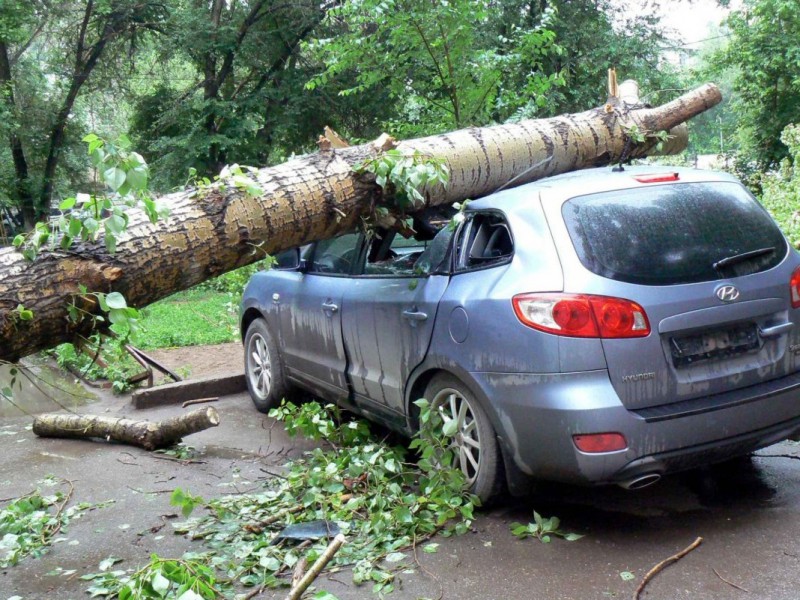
(727, 293)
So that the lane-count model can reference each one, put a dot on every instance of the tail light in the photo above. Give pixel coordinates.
(581, 315)
(794, 288)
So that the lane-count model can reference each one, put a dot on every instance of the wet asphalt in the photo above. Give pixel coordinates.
(747, 512)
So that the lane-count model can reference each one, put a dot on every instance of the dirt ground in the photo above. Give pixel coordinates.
(201, 361)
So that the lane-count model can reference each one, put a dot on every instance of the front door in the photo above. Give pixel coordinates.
(390, 309)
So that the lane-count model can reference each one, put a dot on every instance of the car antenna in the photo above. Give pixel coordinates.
(525, 172)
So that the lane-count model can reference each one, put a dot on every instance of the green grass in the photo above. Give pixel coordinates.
(190, 318)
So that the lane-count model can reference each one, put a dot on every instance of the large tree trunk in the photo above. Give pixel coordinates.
(309, 198)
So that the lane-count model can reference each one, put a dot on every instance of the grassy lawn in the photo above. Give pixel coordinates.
(190, 318)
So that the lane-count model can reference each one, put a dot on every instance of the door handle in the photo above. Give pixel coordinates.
(414, 315)
(775, 330)
(330, 306)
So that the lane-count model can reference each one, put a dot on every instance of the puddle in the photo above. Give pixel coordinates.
(40, 389)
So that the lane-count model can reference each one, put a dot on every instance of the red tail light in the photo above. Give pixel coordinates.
(581, 315)
(594, 443)
(794, 288)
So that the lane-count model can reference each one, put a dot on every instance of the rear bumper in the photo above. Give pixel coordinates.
(536, 415)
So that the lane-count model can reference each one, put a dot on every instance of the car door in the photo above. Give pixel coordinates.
(311, 323)
(388, 317)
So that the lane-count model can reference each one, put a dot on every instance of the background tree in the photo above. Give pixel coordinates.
(460, 63)
(763, 54)
(59, 46)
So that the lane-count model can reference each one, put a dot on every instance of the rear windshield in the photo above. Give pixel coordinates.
(679, 233)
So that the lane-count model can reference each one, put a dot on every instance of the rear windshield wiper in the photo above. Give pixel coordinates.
(743, 257)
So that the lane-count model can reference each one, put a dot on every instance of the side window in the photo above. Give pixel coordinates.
(484, 241)
(335, 256)
(390, 253)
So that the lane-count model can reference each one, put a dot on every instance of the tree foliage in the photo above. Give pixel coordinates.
(763, 53)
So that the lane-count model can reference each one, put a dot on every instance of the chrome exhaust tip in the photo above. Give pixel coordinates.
(642, 481)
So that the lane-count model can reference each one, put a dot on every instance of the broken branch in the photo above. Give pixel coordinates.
(730, 583)
(198, 401)
(663, 564)
(297, 591)
(149, 435)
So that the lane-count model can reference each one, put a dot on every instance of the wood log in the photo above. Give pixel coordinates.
(310, 198)
(150, 435)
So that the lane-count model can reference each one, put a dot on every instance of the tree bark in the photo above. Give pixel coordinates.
(149, 435)
(309, 198)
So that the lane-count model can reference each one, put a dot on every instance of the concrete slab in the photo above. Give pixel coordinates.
(191, 389)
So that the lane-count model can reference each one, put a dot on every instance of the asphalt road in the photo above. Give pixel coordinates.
(747, 513)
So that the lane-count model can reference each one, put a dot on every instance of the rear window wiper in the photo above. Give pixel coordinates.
(743, 257)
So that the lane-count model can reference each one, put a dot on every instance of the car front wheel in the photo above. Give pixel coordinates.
(474, 443)
(263, 368)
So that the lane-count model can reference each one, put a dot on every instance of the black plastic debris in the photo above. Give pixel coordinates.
(312, 530)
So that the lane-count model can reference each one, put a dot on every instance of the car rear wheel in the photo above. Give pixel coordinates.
(474, 444)
(263, 367)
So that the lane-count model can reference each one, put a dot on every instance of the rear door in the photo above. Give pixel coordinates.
(710, 268)
(388, 317)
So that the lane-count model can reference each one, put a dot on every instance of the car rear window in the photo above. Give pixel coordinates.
(670, 234)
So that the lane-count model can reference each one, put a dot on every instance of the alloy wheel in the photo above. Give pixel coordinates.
(260, 370)
(465, 442)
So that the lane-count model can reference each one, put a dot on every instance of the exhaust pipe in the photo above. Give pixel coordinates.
(642, 481)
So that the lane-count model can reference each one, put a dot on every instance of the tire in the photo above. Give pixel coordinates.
(263, 367)
(475, 441)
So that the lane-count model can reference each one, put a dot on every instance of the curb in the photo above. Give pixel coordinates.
(191, 389)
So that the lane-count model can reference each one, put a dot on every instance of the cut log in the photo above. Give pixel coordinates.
(150, 435)
(310, 198)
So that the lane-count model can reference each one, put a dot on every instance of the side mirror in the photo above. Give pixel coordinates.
(288, 259)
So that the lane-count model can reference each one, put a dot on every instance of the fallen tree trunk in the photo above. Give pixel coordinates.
(310, 198)
(149, 435)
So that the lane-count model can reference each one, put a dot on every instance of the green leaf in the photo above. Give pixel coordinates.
(109, 562)
(18, 240)
(395, 557)
(116, 300)
(74, 227)
(67, 203)
(627, 576)
(116, 224)
(571, 537)
(430, 548)
(114, 178)
(137, 178)
(323, 595)
(160, 583)
(450, 428)
(91, 225)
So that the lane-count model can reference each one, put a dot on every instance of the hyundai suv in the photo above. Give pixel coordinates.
(595, 327)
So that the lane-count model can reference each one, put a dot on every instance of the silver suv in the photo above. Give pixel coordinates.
(594, 327)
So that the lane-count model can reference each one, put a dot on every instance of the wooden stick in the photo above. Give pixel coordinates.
(299, 572)
(198, 401)
(665, 563)
(297, 591)
(730, 583)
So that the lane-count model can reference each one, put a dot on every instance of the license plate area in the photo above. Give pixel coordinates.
(714, 345)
